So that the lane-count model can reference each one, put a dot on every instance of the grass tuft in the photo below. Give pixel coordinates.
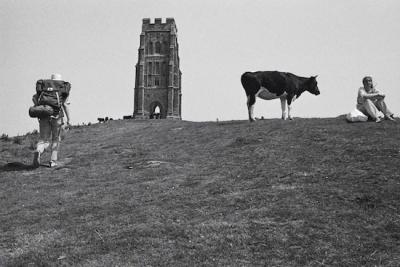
(4, 137)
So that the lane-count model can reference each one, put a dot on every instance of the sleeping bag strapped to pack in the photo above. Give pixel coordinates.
(41, 111)
(51, 94)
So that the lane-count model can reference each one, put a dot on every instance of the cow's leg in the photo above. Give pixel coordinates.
(290, 100)
(289, 112)
(283, 106)
(251, 100)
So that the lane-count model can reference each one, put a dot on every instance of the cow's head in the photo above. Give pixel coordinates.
(312, 85)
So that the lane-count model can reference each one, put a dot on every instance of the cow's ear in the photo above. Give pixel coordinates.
(315, 77)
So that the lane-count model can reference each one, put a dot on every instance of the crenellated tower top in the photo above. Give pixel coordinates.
(158, 25)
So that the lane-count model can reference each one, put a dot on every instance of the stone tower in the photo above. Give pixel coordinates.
(158, 76)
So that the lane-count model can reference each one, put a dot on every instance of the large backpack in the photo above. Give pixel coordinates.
(52, 93)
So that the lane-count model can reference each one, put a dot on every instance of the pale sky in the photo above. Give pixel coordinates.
(94, 45)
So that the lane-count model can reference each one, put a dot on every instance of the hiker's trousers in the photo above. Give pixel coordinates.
(49, 131)
(371, 108)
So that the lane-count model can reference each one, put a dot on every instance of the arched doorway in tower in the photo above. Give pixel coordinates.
(156, 110)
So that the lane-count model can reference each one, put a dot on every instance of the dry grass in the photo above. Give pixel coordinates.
(308, 192)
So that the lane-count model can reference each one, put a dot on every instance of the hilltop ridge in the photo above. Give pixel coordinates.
(165, 192)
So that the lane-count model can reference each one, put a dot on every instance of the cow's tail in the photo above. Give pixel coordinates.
(250, 83)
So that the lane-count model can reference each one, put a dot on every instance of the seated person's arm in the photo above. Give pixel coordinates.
(374, 95)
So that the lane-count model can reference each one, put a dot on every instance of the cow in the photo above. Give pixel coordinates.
(269, 85)
(103, 120)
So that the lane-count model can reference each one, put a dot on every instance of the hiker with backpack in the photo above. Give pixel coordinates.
(50, 107)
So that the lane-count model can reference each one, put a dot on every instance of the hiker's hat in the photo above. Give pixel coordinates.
(56, 76)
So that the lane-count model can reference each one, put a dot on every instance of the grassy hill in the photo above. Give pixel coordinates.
(308, 192)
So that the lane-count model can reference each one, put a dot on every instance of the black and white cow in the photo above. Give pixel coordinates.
(274, 84)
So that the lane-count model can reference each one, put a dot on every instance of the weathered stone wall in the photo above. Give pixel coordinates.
(156, 95)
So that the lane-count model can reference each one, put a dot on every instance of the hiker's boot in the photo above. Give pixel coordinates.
(390, 117)
(36, 159)
(52, 164)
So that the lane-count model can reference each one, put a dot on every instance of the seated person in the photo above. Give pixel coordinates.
(370, 101)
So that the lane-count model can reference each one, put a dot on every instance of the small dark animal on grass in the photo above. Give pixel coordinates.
(270, 85)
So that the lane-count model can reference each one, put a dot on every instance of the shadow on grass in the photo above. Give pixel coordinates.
(16, 166)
